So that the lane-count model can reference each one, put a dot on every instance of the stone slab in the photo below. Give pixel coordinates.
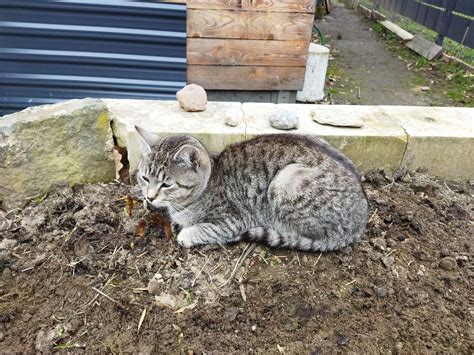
(441, 139)
(40, 146)
(425, 48)
(400, 32)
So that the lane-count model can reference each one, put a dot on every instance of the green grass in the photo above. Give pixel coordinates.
(451, 47)
(449, 79)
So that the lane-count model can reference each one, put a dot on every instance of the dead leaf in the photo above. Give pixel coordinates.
(164, 223)
(129, 205)
(140, 229)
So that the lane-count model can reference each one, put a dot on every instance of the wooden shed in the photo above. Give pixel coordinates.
(248, 44)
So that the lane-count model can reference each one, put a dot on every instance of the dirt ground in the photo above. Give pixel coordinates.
(366, 70)
(77, 275)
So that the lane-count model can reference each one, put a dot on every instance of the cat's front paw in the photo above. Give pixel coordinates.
(189, 237)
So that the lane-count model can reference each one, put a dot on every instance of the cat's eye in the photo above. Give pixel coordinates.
(165, 185)
(145, 178)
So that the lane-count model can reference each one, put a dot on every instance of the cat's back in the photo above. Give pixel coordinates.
(270, 153)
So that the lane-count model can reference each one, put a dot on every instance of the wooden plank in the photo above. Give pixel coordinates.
(400, 32)
(205, 51)
(305, 6)
(424, 47)
(246, 78)
(249, 25)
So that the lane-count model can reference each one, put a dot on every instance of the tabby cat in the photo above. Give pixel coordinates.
(283, 190)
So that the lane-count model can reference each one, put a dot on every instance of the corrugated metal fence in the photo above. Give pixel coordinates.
(450, 18)
(57, 50)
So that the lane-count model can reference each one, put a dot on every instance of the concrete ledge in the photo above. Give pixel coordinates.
(439, 139)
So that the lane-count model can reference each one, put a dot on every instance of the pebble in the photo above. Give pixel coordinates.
(154, 287)
(388, 261)
(2, 336)
(254, 328)
(192, 98)
(462, 260)
(6, 274)
(444, 252)
(8, 244)
(379, 243)
(380, 292)
(233, 117)
(342, 340)
(284, 120)
(425, 88)
(448, 263)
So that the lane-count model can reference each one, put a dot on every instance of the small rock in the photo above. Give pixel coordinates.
(233, 117)
(444, 252)
(406, 178)
(6, 274)
(388, 261)
(284, 120)
(462, 260)
(425, 88)
(254, 328)
(5, 223)
(448, 263)
(8, 244)
(154, 287)
(348, 120)
(166, 300)
(380, 292)
(379, 244)
(2, 336)
(192, 98)
(342, 340)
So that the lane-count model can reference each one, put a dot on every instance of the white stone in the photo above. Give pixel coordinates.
(233, 117)
(283, 119)
(345, 118)
(192, 98)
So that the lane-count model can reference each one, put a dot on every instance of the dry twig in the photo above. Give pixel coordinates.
(248, 249)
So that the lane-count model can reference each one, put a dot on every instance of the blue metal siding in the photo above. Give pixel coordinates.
(58, 50)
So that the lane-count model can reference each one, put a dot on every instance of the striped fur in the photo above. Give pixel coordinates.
(284, 190)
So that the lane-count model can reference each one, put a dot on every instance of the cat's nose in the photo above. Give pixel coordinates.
(151, 194)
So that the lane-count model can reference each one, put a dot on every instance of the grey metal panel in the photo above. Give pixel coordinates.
(465, 7)
(57, 50)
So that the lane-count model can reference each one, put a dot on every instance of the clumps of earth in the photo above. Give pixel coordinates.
(87, 269)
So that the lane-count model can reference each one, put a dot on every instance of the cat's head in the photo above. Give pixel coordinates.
(174, 171)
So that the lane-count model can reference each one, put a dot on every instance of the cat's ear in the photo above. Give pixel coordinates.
(146, 139)
(190, 155)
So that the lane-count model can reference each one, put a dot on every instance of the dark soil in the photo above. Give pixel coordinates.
(75, 276)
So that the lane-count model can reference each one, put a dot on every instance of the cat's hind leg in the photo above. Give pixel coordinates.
(311, 210)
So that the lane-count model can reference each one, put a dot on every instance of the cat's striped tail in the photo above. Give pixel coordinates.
(274, 239)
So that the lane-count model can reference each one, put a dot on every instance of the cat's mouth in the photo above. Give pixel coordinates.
(155, 206)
